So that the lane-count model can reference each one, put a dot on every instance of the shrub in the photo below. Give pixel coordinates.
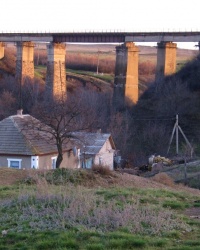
(64, 175)
(102, 170)
(164, 179)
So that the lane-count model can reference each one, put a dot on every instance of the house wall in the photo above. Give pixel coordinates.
(69, 161)
(105, 156)
(45, 161)
(25, 163)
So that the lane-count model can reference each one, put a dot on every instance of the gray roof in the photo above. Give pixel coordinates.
(21, 135)
(18, 137)
(91, 143)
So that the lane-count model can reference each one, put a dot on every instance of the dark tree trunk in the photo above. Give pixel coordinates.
(60, 153)
(59, 160)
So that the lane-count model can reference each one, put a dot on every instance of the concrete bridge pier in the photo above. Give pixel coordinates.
(126, 75)
(56, 84)
(25, 61)
(166, 59)
(1, 50)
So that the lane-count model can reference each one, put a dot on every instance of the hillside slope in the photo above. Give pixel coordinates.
(94, 179)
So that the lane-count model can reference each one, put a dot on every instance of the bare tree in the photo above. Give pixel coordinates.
(7, 104)
(60, 117)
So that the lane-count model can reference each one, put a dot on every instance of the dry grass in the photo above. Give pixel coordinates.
(164, 179)
(9, 176)
(103, 170)
(97, 178)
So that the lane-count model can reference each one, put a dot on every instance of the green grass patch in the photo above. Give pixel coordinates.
(158, 243)
(197, 204)
(192, 243)
(95, 246)
(43, 202)
(105, 77)
(175, 205)
(8, 191)
(91, 240)
(114, 193)
(121, 243)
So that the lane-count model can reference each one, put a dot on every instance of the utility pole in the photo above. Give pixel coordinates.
(176, 129)
(38, 55)
(185, 171)
(176, 124)
(98, 62)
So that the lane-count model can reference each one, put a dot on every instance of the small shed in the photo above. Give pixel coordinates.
(95, 149)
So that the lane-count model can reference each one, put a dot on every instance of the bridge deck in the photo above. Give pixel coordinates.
(102, 37)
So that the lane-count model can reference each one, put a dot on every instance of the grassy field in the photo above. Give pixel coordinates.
(79, 209)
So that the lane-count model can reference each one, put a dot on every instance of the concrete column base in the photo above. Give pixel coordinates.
(126, 75)
(25, 61)
(166, 59)
(1, 50)
(56, 84)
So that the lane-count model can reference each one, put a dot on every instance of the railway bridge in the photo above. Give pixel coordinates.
(127, 56)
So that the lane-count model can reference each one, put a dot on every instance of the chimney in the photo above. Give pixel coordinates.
(99, 131)
(20, 112)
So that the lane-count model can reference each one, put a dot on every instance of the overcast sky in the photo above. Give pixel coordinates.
(98, 15)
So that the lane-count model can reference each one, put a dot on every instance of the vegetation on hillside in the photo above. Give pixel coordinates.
(93, 209)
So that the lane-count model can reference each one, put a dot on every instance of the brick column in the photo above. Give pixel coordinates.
(25, 61)
(166, 59)
(1, 50)
(126, 75)
(56, 84)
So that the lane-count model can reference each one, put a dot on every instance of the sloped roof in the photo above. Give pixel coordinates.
(92, 142)
(21, 135)
(17, 136)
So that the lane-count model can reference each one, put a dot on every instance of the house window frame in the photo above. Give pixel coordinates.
(53, 158)
(14, 159)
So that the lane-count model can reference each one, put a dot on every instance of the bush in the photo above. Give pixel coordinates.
(164, 179)
(102, 170)
(64, 175)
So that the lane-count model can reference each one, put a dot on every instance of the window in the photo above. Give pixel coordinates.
(14, 163)
(53, 162)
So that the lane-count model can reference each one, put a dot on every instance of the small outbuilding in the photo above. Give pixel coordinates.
(95, 149)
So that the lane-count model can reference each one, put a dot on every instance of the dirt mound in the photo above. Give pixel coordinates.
(10, 176)
(128, 180)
